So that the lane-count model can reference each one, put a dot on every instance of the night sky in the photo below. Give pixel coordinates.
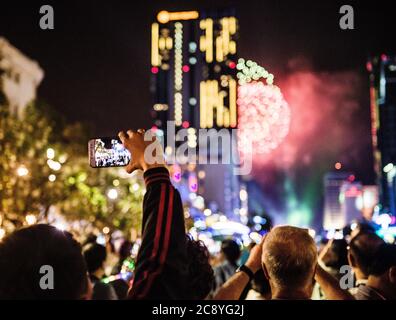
(97, 60)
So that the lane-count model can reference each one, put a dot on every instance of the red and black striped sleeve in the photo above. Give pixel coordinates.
(161, 263)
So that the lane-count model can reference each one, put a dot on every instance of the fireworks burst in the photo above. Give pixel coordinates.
(264, 118)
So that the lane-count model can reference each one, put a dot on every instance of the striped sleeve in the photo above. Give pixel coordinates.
(158, 210)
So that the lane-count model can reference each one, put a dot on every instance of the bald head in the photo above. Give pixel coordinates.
(289, 257)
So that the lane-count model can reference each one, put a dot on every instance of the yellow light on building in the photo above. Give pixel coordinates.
(206, 41)
(169, 43)
(166, 16)
(232, 47)
(219, 49)
(162, 43)
(220, 109)
(226, 116)
(233, 103)
(163, 16)
(160, 107)
(155, 58)
(225, 36)
(209, 40)
(202, 104)
(212, 101)
(232, 25)
(202, 43)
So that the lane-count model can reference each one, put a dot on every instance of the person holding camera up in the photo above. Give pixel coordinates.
(162, 263)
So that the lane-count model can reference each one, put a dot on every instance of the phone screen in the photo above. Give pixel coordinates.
(107, 152)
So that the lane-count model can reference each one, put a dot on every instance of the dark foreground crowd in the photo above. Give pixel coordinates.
(171, 265)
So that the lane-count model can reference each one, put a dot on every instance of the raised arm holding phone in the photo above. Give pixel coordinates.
(161, 267)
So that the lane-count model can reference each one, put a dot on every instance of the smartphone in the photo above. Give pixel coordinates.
(107, 152)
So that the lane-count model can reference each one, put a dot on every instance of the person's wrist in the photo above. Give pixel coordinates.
(146, 166)
(246, 270)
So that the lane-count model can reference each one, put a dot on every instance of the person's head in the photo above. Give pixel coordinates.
(230, 250)
(30, 254)
(383, 271)
(289, 262)
(200, 271)
(362, 227)
(336, 256)
(91, 238)
(361, 253)
(125, 250)
(95, 256)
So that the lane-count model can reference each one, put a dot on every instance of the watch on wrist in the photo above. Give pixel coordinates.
(245, 269)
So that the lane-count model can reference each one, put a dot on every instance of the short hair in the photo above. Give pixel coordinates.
(363, 248)
(25, 251)
(201, 274)
(125, 249)
(95, 255)
(365, 227)
(231, 250)
(337, 255)
(384, 259)
(290, 256)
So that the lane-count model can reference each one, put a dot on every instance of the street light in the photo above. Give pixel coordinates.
(54, 165)
(30, 219)
(112, 194)
(22, 171)
(50, 153)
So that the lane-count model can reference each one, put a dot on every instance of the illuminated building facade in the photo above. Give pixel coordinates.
(193, 66)
(370, 198)
(19, 77)
(351, 196)
(193, 61)
(383, 119)
(334, 213)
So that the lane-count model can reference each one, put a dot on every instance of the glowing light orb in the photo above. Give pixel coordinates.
(263, 117)
(250, 71)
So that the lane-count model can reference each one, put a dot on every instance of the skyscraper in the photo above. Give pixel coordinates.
(193, 66)
(383, 118)
(351, 197)
(193, 59)
(334, 214)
